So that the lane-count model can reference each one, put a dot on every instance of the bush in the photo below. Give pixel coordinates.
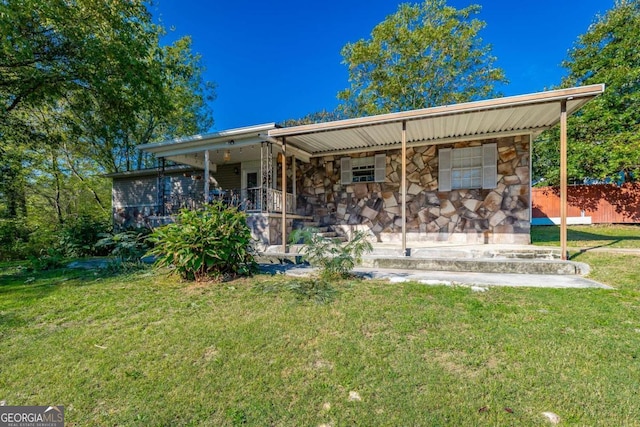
(79, 236)
(211, 243)
(14, 237)
(335, 259)
(48, 260)
(126, 246)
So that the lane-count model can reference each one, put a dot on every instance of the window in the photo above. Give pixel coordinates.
(363, 169)
(466, 168)
(471, 167)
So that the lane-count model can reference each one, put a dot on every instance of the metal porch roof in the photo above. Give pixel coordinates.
(523, 114)
(190, 150)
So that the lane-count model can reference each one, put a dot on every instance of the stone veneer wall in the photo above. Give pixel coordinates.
(500, 215)
(266, 229)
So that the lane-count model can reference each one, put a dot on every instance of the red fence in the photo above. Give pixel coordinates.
(603, 203)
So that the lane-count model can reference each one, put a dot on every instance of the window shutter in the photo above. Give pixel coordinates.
(380, 165)
(346, 175)
(444, 169)
(489, 166)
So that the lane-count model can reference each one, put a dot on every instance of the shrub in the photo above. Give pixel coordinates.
(48, 260)
(14, 236)
(79, 235)
(127, 246)
(335, 259)
(210, 243)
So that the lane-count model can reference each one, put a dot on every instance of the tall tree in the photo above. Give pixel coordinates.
(424, 55)
(81, 84)
(321, 116)
(604, 136)
(51, 48)
(180, 108)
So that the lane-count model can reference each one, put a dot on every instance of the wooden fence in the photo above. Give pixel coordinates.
(588, 204)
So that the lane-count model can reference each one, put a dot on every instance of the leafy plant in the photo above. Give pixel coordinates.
(48, 260)
(80, 235)
(127, 246)
(318, 290)
(14, 234)
(213, 242)
(335, 259)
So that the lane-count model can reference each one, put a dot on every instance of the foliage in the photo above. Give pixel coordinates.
(12, 182)
(334, 258)
(50, 49)
(424, 55)
(604, 136)
(180, 109)
(320, 291)
(119, 267)
(211, 243)
(81, 84)
(49, 259)
(127, 246)
(80, 235)
(322, 116)
(14, 235)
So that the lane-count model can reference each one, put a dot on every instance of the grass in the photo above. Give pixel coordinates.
(589, 236)
(146, 350)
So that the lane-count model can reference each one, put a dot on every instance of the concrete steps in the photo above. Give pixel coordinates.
(479, 265)
(480, 259)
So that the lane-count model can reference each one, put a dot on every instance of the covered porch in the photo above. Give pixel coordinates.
(240, 167)
(453, 174)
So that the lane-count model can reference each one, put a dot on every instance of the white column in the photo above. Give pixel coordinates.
(206, 176)
(293, 183)
(284, 196)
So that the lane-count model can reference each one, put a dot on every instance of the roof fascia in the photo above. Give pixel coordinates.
(439, 141)
(496, 103)
(212, 138)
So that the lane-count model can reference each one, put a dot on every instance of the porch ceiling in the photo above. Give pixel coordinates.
(516, 115)
(242, 143)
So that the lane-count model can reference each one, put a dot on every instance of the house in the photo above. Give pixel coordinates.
(457, 173)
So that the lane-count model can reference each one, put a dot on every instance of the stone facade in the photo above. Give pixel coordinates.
(266, 229)
(499, 215)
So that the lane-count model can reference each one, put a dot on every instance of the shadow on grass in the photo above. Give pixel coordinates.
(551, 234)
(18, 278)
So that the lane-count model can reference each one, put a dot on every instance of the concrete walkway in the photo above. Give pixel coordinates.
(479, 281)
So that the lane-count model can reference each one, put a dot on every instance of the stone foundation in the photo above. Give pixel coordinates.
(266, 229)
(500, 215)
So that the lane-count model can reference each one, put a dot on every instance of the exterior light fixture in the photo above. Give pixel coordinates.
(227, 156)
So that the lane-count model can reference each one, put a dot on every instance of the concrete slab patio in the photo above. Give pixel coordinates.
(449, 278)
(456, 264)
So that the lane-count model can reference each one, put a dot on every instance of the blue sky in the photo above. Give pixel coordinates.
(280, 59)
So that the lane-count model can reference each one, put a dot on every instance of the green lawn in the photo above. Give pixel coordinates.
(147, 350)
(589, 236)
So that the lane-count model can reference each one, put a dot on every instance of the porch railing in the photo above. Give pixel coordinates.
(245, 199)
(274, 198)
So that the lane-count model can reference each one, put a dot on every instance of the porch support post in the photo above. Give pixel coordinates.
(161, 195)
(206, 176)
(404, 188)
(284, 195)
(563, 179)
(293, 183)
